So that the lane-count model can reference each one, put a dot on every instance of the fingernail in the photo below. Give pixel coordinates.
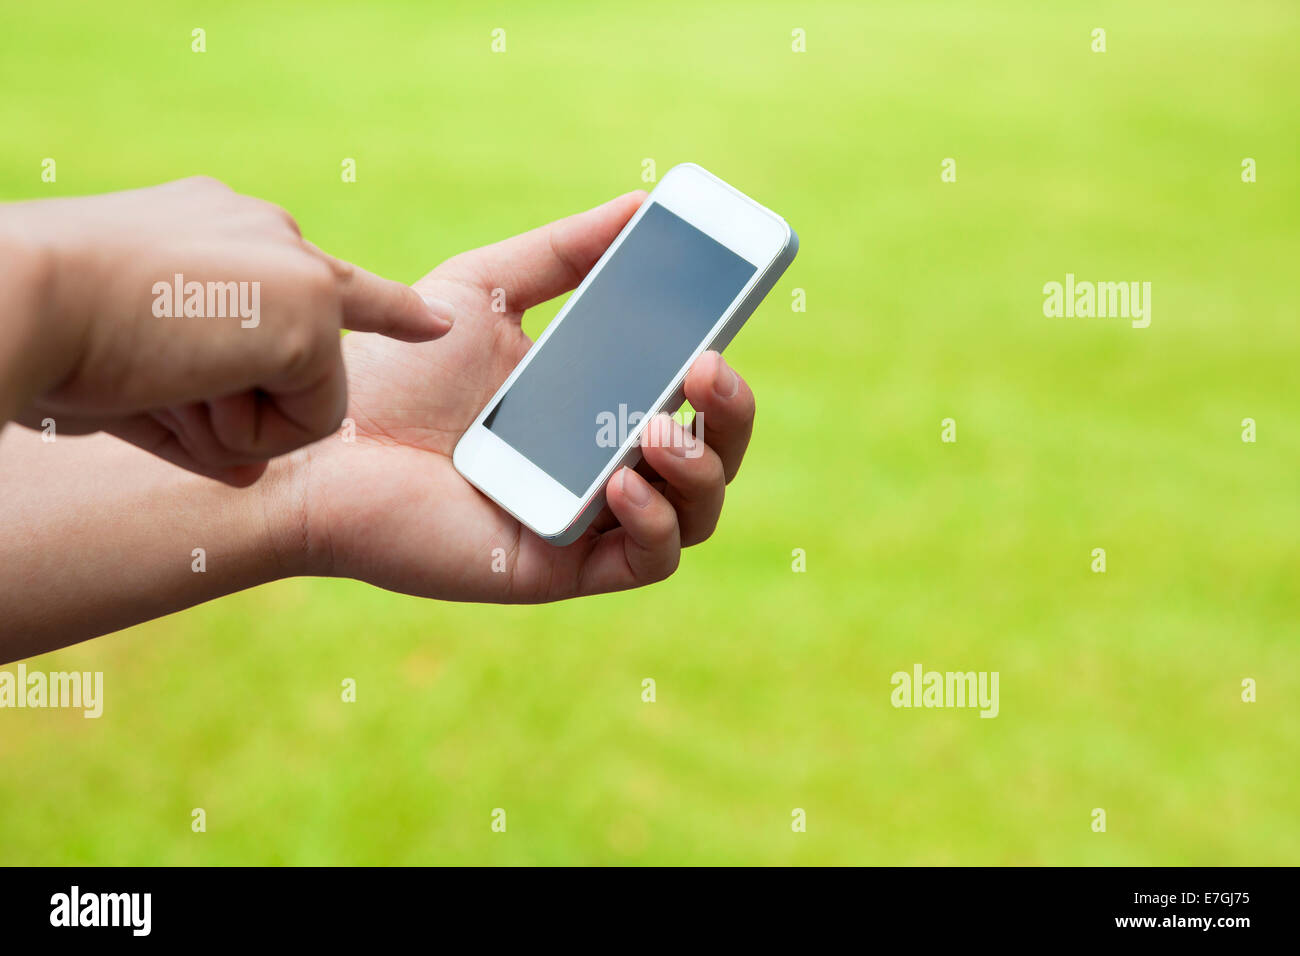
(441, 310)
(634, 487)
(679, 441)
(725, 381)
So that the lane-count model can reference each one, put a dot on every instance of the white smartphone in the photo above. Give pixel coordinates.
(681, 278)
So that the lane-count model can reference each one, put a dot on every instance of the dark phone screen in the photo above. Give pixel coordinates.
(618, 347)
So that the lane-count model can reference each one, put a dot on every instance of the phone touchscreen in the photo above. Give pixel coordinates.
(618, 347)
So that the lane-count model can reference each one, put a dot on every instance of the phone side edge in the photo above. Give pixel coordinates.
(771, 276)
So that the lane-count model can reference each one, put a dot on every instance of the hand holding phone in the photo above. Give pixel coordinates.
(383, 503)
(680, 278)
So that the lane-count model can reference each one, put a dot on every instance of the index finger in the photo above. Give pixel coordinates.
(375, 304)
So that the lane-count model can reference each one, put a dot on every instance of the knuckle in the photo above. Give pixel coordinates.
(672, 561)
(205, 183)
(318, 284)
(713, 474)
(330, 413)
(340, 269)
(702, 531)
(276, 215)
(284, 216)
(667, 545)
(301, 346)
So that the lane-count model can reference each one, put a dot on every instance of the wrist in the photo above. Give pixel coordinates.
(42, 337)
(285, 491)
(27, 286)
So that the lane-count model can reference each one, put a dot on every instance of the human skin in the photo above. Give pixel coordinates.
(95, 536)
(83, 345)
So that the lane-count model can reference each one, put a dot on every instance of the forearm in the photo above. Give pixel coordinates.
(96, 535)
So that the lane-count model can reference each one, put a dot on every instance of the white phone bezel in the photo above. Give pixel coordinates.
(514, 481)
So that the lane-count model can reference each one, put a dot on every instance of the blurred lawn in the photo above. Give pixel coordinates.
(1118, 691)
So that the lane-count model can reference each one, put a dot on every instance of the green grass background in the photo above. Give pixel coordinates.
(1119, 691)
